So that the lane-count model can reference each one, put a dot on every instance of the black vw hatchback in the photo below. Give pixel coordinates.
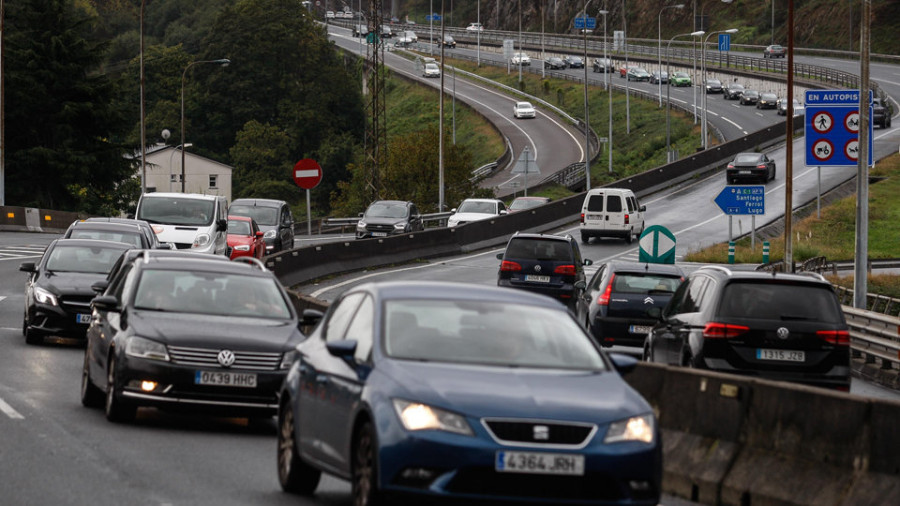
(58, 289)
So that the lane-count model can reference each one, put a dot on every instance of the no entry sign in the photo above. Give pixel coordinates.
(307, 174)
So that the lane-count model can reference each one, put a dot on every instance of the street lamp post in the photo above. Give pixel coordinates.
(668, 93)
(520, 41)
(659, 48)
(223, 62)
(478, 33)
(703, 73)
(587, 123)
(606, 78)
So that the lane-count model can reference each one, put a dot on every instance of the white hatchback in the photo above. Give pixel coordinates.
(475, 210)
(524, 110)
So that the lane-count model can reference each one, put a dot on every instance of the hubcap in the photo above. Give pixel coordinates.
(286, 444)
(363, 470)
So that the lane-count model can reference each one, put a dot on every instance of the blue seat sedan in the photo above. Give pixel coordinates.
(446, 390)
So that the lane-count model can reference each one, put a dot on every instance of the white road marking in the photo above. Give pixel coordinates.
(9, 411)
(735, 124)
(760, 115)
(2, 298)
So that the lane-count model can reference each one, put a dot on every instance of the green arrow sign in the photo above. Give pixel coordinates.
(657, 246)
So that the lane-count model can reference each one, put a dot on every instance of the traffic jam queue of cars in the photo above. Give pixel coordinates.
(360, 391)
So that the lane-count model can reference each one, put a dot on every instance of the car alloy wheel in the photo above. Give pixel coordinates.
(91, 396)
(294, 475)
(117, 410)
(365, 475)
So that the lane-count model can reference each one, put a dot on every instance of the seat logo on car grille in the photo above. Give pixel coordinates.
(648, 300)
(783, 333)
(226, 358)
(537, 268)
(541, 433)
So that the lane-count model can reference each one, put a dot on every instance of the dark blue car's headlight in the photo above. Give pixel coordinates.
(416, 416)
(636, 428)
(140, 347)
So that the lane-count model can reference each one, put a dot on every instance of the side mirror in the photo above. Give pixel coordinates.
(499, 256)
(27, 267)
(504, 211)
(580, 284)
(130, 216)
(100, 286)
(221, 225)
(643, 208)
(361, 215)
(311, 317)
(588, 261)
(623, 363)
(259, 233)
(342, 349)
(105, 303)
(655, 313)
(453, 210)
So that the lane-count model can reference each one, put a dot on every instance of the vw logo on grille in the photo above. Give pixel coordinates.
(783, 333)
(648, 300)
(226, 358)
(537, 268)
(541, 433)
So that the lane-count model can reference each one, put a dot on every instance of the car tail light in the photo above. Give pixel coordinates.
(626, 219)
(838, 337)
(565, 270)
(507, 266)
(582, 218)
(714, 330)
(603, 300)
(731, 165)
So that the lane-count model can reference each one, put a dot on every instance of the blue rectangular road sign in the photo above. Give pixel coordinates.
(741, 199)
(591, 23)
(724, 42)
(831, 128)
(433, 17)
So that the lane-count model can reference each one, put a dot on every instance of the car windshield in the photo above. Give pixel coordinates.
(779, 301)
(482, 332)
(90, 259)
(207, 293)
(383, 210)
(644, 283)
(471, 206)
(239, 227)
(523, 105)
(263, 215)
(431, 66)
(736, 86)
(539, 249)
(744, 158)
(679, 74)
(715, 82)
(177, 211)
(133, 239)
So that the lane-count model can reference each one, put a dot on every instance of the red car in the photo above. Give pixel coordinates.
(245, 238)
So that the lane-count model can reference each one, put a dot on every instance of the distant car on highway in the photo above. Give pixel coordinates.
(463, 393)
(638, 74)
(774, 51)
(618, 296)
(783, 327)
(782, 107)
(475, 210)
(749, 97)
(573, 62)
(523, 203)
(58, 288)
(554, 63)
(714, 86)
(623, 71)
(520, 58)
(128, 233)
(475, 27)
(733, 91)
(524, 110)
(750, 166)
(274, 218)
(189, 334)
(330, 15)
(881, 112)
(611, 212)
(431, 70)
(680, 79)
(449, 41)
(603, 65)
(659, 77)
(245, 238)
(767, 101)
(389, 217)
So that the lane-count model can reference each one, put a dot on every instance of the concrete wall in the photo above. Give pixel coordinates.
(30, 219)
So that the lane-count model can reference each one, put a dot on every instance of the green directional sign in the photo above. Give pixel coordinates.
(657, 245)
(372, 38)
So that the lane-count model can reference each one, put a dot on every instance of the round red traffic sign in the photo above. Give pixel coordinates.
(307, 174)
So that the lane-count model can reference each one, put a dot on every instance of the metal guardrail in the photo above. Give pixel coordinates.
(333, 223)
(874, 337)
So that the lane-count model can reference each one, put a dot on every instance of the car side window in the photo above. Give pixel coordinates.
(501, 206)
(577, 253)
(121, 286)
(631, 207)
(686, 298)
(361, 330)
(341, 317)
(598, 277)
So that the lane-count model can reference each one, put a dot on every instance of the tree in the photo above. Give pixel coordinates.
(61, 119)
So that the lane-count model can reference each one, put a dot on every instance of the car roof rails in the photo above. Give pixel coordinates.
(254, 262)
(812, 274)
(726, 270)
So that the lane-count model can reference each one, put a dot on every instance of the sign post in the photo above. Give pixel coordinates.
(656, 245)
(307, 174)
(526, 164)
(743, 200)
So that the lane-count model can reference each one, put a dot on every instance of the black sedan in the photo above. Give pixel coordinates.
(188, 333)
(573, 62)
(714, 86)
(733, 91)
(749, 97)
(58, 290)
(750, 166)
(767, 101)
(619, 295)
(554, 63)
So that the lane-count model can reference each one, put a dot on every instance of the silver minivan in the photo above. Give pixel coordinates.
(188, 220)
(611, 212)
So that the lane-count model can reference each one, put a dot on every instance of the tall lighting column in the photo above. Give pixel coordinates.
(587, 123)
(223, 62)
(669, 157)
(704, 95)
(143, 134)
(659, 48)
(606, 78)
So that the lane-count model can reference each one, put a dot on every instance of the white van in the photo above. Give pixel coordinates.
(611, 212)
(188, 220)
